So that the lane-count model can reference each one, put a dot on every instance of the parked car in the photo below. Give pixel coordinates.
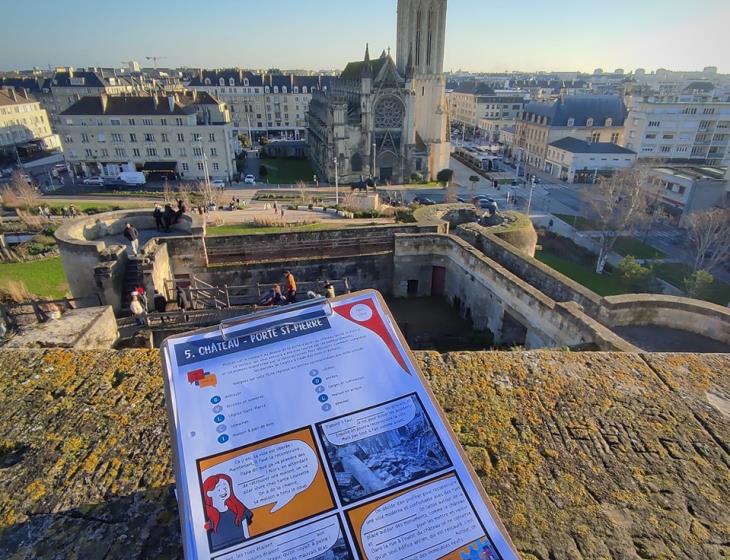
(249, 179)
(94, 181)
(219, 183)
(423, 201)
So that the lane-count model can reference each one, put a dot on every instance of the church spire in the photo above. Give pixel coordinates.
(367, 67)
(410, 68)
(367, 52)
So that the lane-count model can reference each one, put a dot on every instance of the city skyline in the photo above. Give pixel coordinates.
(563, 36)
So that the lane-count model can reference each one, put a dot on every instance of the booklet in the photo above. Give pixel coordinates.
(308, 433)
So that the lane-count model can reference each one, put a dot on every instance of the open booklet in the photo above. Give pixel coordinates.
(308, 432)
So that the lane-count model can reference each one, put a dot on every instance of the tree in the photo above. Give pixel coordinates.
(474, 179)
(245, 140)
(263, 171)
(698, 284)
(19, 192)
(618, 206)
(709, 233)
(206, 191)
(445, 177)
(632, 275)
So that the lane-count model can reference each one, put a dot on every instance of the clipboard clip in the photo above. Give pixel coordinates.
(227, 324)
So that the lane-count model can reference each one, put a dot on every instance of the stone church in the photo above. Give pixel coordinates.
(383, 118)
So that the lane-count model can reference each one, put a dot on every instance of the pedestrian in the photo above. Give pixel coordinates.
(167, 216)
(132, 235)
(181, 209)
(142, 297)
(139, 312)
(157, 214)
(182, 299)
(329, 290)
(282, 212)
(278, 298)
(291, 287)
(275, 209)
(159, 302)
(496, 184)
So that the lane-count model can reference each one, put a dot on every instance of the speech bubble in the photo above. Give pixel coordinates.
(270, 475)
(370, 422)
(302, 543)
(427, 523)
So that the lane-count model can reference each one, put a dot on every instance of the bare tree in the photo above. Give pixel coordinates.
(618, 205)
(19, 192)
(209, 193)
(709, 233)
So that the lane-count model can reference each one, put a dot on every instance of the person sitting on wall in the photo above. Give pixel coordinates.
(268, 298)
(279, 298)
(167, 216)
(157, 215)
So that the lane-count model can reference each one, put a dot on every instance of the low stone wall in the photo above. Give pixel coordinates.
(78, 329)
(689, 315)
(543, 277)
(487, 292)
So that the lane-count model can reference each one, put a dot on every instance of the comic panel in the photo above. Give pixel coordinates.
(381, 448)
(259, 488)
(321, 540)
(431, 521)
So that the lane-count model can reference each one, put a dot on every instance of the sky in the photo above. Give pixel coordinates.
(482, 35)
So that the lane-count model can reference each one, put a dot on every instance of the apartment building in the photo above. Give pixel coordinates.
(690, 188)
(479, 107)
(185, 136)
(680, 128)
(23, 120)
(263, 105)
(593, 118)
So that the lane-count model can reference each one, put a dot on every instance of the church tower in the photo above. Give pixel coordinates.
(420, 59)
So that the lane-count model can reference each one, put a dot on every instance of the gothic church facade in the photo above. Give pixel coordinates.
(384, 118)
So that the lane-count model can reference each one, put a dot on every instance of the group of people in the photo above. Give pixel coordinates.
(139, 304)
(164, 219)
(278, 210)
(277, 296)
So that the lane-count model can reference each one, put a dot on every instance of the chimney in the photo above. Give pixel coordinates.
(104, 102)
(171, 102)
(70, 72)
(155, 101)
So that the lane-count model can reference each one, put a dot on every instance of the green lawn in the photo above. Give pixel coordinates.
(675, 273)
(248, 229)
(43, 278)
(603, 284)
(632, 246)
(287, 171)
(578, 222)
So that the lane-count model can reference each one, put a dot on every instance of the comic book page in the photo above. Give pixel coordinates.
(309, 434)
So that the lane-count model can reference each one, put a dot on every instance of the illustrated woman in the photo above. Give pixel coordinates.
(227, 519)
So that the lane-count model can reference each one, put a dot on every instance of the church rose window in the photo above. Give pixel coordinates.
(389, 113)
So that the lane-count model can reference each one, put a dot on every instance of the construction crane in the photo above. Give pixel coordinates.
(154, 59)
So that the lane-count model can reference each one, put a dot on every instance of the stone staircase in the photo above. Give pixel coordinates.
(133, 278)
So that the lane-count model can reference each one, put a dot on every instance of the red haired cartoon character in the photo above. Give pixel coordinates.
(227, 519)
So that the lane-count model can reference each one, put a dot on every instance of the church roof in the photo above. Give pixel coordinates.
(353, 70)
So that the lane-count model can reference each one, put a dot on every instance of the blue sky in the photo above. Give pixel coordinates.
(314, 34)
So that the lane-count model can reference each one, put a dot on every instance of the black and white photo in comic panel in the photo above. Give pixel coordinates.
(381, 447)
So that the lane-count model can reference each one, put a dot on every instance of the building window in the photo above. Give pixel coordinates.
(89, 152)
(654, 124)
(149, 137)
(197, 151)
(163, 122)
(589, 123)
(84, 138)
(120, 152)
(596, 137)
(650, 136)
(132, 137)
(213, 152)
(614, 138)
(165, 138)
(180, 137)
(183, 152)
(185, 166)
(231, 82)
(609, 121)
(668, 136)
(168, 152)
(151, 152)
(104, 153)
(131, 122)
(571, 122)
(200, 166)
(216, 166)
(212, 136)
(179, 122)
(68, 139)
(147, 122)
(197, 137)
(666, 149)
(221, 82)
(115, 122)
(708, 111)
(135, 152)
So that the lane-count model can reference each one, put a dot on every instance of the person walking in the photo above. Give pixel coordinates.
(159, 302)
(291, 287)
(157, 214)
(182, 299)
(132, 235)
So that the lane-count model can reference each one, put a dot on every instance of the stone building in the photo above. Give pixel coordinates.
(270, 105)
(593, 118)
(177, 135)
(22, 120)
(386, 118)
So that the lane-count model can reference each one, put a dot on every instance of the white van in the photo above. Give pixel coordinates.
(132, 177)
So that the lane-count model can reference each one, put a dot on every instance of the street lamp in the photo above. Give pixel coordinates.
(337, 185)
(529, 200)
(375, 147)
